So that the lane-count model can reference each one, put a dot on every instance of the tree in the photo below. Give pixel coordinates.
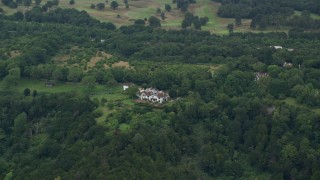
(204, 20)
(238, 21)
(100, 6)
(155, 22)
(132, 91)
(167, 7)
(158, 10)
(13, 77)
(114, 5)
(38, 2)
(139, 22)
(55, 2)
(74, 75)
(27, 2)
(57, 74)
(71, 2)
(20, 124)
(125, 1)
(34, 93)
(184, 23)
(92, 6)
(26, 92)
(230, 28)
(18, 16)
(196, 23)
(89, 81)
(162, 16)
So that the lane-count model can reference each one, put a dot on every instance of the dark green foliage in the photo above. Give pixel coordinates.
(34, 93)
(154, 22)
(271, 13)
(71, 2)
(114, 5)
(26, 92)
(139, 22)
(167, 7)
(222, 123)
(38, 2)
(238, 21)
(163, 16)
(100, 6)
(10, 3)
(230, 28)
(204, 20)
(27, 2)
(158, 10)
(184, 4)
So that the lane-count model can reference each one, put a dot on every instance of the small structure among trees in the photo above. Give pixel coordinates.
(287, 65)
(125, 86)
(260, 75)
(153, 95)
(49, 84)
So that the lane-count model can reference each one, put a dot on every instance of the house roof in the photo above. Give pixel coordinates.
(153, 92)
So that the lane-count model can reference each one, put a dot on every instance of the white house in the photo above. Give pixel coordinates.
(153, 95)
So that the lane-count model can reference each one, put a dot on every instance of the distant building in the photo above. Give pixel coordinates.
(125, 86)
(260, 75)
(49, 84)
(287, 65)
(153, 95)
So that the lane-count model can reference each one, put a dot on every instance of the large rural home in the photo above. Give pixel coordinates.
(153, 95)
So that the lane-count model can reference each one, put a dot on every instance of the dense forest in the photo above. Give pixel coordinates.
(233, 122)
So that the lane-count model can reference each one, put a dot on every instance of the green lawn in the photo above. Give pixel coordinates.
(60, 87)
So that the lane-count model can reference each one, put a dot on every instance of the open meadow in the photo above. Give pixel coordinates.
(141, 9)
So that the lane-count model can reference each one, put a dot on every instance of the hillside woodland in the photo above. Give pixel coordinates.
(255, 116)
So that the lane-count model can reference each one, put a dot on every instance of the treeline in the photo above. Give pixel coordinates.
(61, 16)
(268, 13)
(183, 4)
(14, 4)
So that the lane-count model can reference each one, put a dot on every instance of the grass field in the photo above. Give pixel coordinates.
(140, 9)
(63, 87)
